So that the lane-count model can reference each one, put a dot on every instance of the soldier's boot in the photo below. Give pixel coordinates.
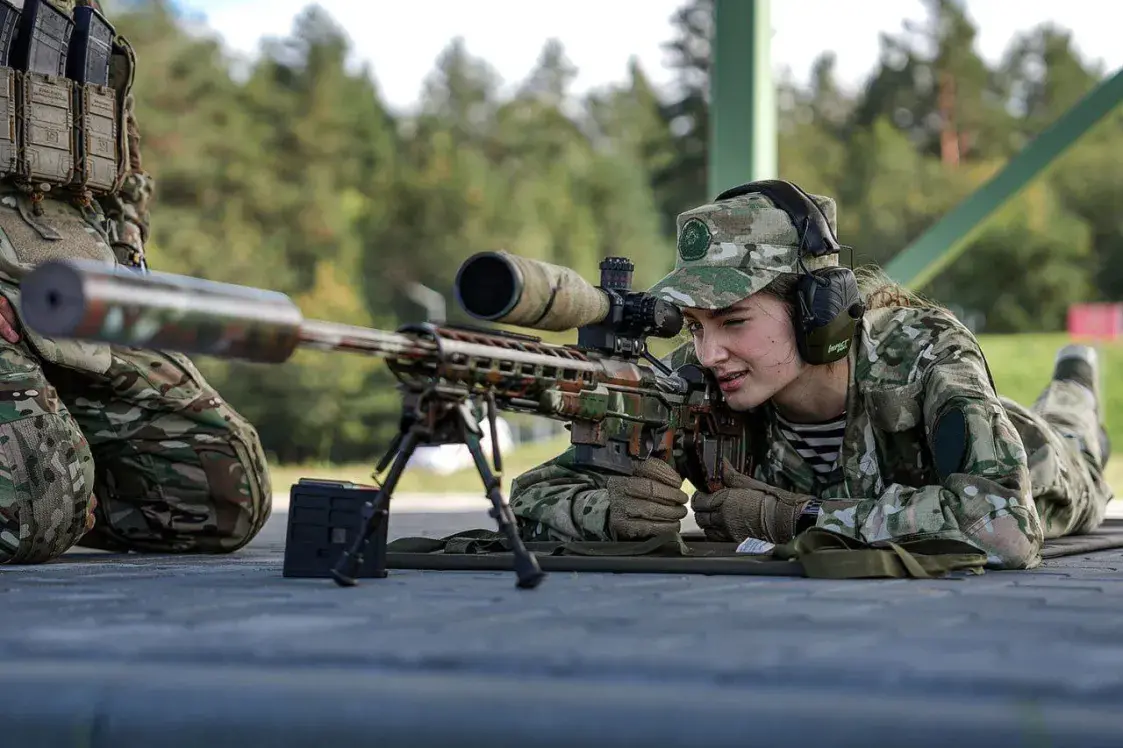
(1080, 364)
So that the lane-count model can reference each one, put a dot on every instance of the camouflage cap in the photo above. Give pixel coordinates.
(731, 249)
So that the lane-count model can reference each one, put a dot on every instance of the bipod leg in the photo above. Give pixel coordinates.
(375, 516)
(526, 565)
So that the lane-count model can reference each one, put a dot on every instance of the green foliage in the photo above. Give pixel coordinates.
(290, 173)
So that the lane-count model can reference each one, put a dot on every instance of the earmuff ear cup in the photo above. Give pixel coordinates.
(828, 307)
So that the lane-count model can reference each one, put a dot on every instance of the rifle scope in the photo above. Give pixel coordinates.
(502, 287)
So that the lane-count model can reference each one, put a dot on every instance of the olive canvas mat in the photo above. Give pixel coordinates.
(464, 554)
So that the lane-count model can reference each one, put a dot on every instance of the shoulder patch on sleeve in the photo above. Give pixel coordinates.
(949, 442)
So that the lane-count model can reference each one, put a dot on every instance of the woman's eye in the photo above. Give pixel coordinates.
(732, 322)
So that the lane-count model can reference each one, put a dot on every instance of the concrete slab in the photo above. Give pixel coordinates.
(101, 650)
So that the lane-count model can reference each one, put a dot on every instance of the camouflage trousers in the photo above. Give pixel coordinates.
(173, 467)
(1061, 435)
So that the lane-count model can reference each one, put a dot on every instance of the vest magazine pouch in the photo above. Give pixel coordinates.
(47, 126)
(96, 144)
(95, 102)
(45, 106)
(9, 17)
(9, 147)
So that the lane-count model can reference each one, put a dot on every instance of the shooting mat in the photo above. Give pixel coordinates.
(817, 554)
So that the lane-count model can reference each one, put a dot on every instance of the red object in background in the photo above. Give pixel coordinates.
(1095, 321)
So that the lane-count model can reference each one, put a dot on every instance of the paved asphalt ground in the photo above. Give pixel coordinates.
(105, 651)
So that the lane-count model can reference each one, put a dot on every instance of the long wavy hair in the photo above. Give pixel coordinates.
(877, 289)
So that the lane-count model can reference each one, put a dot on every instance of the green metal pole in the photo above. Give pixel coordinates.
(948, 237)
(742, 95)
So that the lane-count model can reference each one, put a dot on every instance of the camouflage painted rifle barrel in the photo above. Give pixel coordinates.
(502, 287)
(88, 300)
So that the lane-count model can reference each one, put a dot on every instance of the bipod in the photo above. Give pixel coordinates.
(432, 417)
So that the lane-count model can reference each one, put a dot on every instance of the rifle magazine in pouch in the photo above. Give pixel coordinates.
(88, 65)
(9, 21)
(46, 124)
(96, 138)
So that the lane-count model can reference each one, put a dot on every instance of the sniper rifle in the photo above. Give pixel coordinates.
(622, 404)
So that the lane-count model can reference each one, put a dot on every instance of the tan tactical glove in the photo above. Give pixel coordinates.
(647, 504)
(747, 508)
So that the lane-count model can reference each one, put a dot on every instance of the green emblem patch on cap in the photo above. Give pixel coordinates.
(693, 240)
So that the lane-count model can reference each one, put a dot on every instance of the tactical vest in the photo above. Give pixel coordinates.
(65, 75)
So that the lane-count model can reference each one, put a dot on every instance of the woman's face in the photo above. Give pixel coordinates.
(750, 347)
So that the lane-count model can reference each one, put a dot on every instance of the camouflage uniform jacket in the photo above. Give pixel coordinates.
(910, 366)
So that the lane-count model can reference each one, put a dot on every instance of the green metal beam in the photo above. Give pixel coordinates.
(742, 95)
(948, 237)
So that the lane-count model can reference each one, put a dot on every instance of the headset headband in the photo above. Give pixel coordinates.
(808, 218)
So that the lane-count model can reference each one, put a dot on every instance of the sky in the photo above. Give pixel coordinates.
(401, 40)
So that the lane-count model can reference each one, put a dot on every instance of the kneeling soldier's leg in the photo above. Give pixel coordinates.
(178, 470)
(46, 470)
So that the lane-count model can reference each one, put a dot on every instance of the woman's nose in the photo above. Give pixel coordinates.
(709, 351)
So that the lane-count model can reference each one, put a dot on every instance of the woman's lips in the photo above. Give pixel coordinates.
(731, 382)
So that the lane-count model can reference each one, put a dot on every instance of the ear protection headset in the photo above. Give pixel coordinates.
(827, 305)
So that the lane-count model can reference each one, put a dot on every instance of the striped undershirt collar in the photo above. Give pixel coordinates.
(819, 444)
